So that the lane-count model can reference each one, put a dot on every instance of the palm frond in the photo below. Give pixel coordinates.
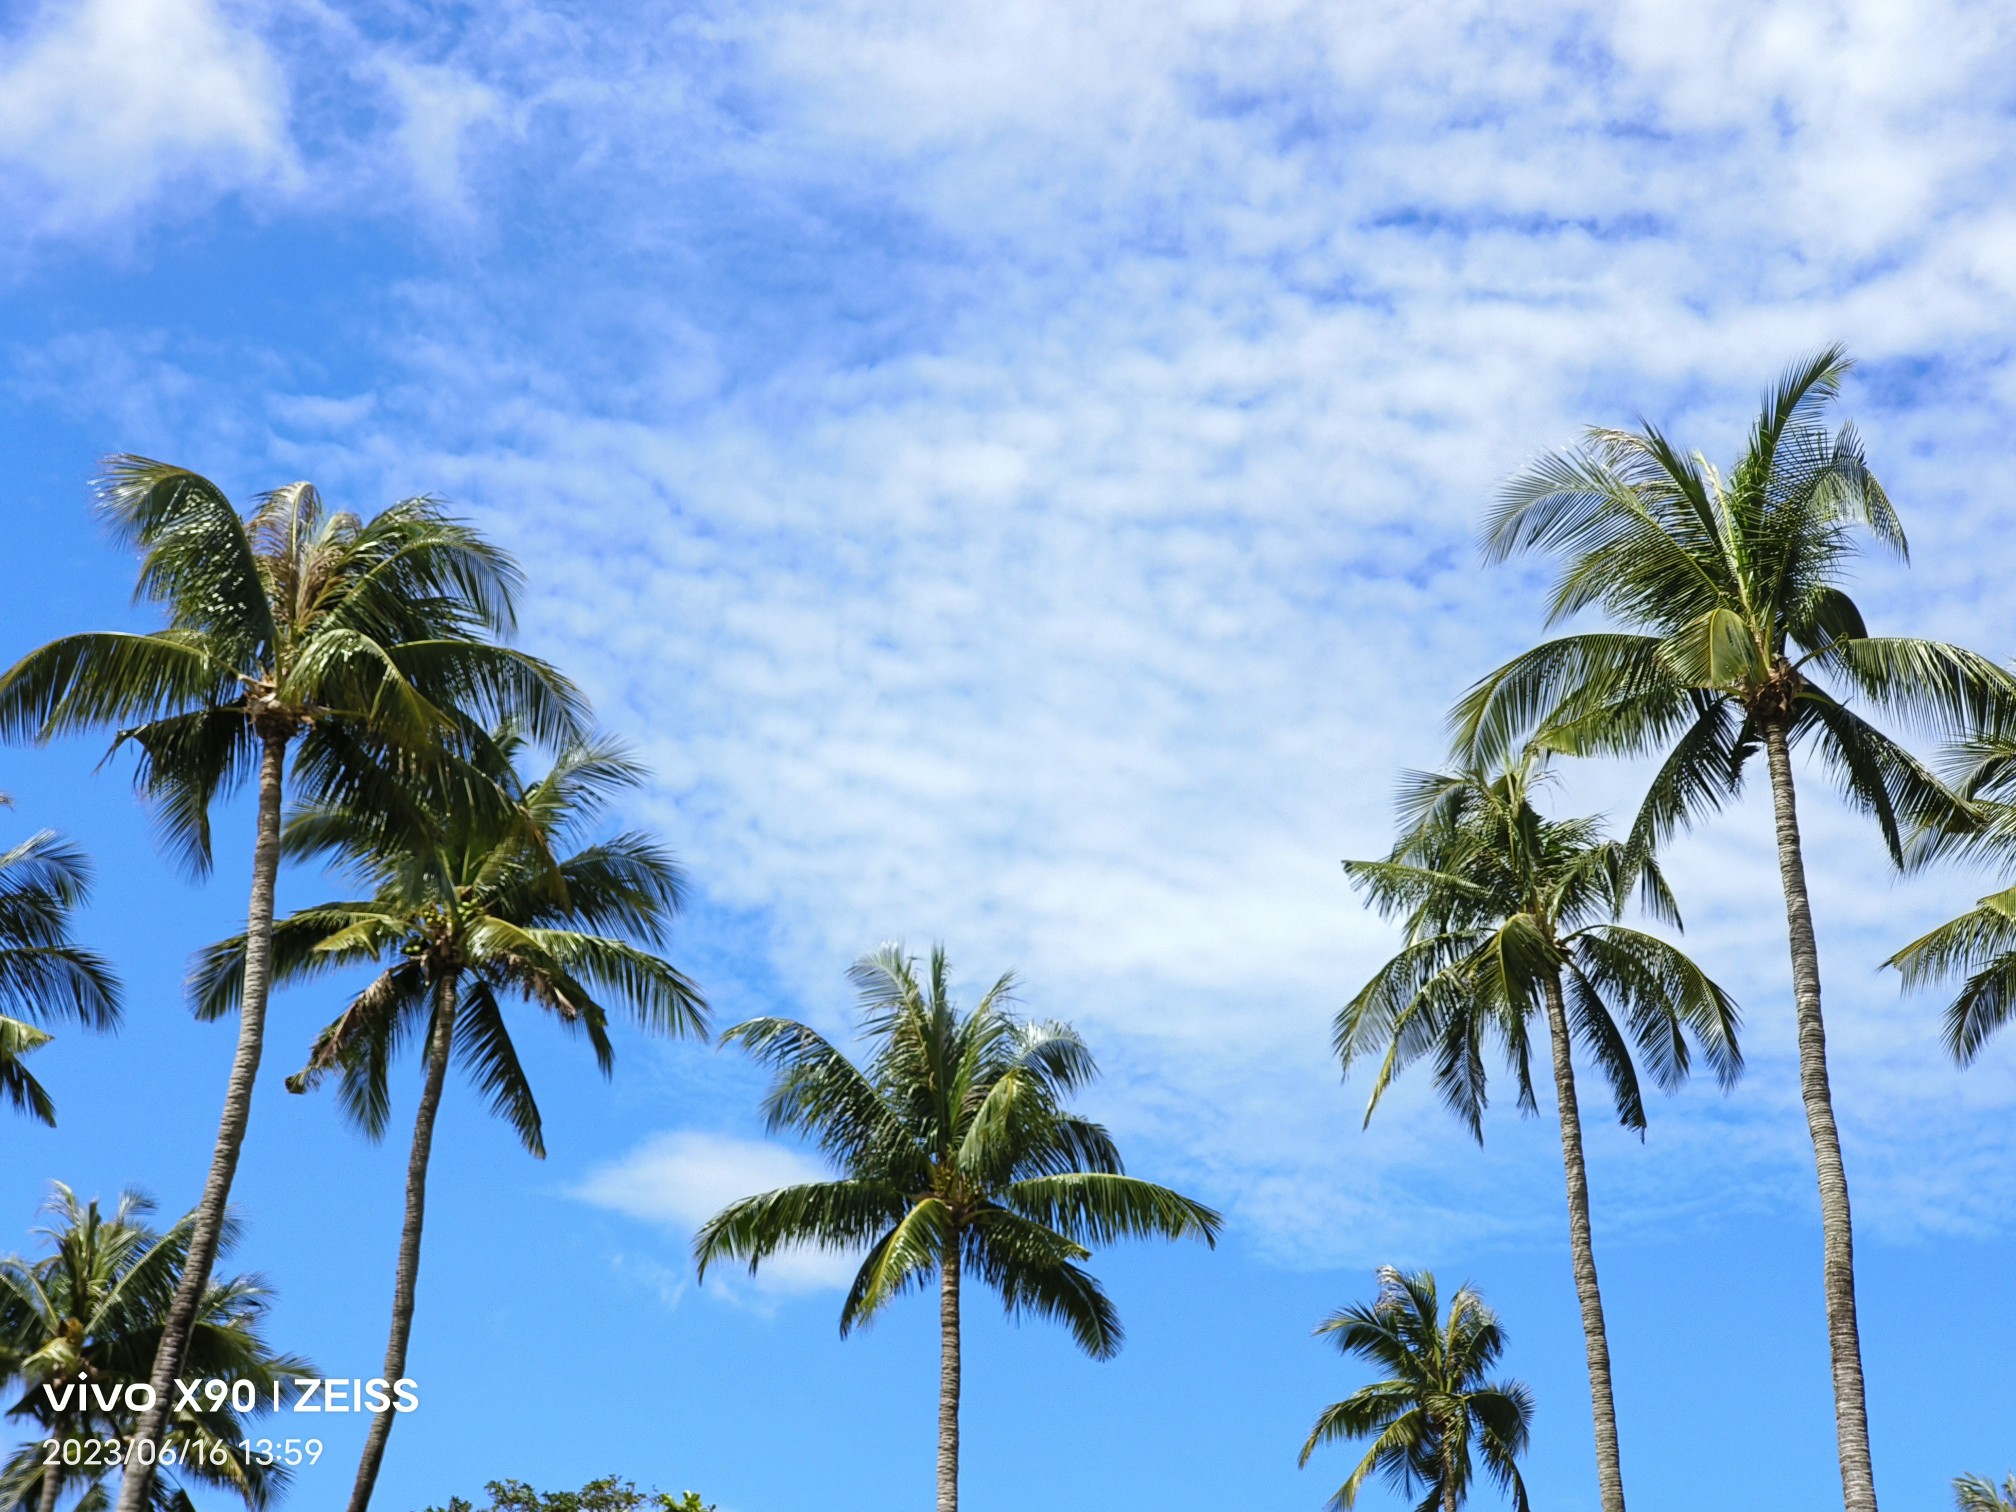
(1035, 1271)
(197, 556)
(484, 1042)
(88, 681)
(1097, 1208)
(361, 1042)
(1877, 775)
(18, 1086)
(841, 1215)
(1557, 691)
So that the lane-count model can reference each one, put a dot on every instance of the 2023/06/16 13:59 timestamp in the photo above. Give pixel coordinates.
(99, 1452)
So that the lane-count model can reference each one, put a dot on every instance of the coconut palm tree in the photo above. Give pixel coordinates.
(1976, 1493)
(82, 1323)
(1435, 1405)
(340, 641)
(1511, 915)
(956, 1157)
(1728, 591)
(471, 906)
(43, 973)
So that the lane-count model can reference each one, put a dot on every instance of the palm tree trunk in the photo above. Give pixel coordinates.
(948, 1379)
(209, 1213)
(440, 1041)
(1851, 1416)
(52, 1487)
(1582, 1252)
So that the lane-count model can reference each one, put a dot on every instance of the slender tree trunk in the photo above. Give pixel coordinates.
(1609, 1471)
(209, 1214)
(52, 1486)
(948, 1379)
(440, 1041)
(1851, 1416)
(1452, 1498)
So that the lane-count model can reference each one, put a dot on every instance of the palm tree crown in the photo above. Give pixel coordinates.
(1500, 904)
(292, 623)
(1435, 1405)
(92, 1311)
(1733, 587)
(487, 896)
(43, 973)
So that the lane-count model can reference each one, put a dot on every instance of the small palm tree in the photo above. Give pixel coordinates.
(472, 906)
(1435, 1404)
(89, 1314)
(1509, 916)
(1730, 593)
(956, 1157)
(1976, 1493)
(291, 630)
(43, 973)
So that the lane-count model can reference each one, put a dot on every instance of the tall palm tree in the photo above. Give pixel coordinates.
(43, 973)
(470, 906)
(1435, 1405)
(1510, 915)
(291, 630)
(1977, 1493)
(956, 1156)
(89, 1314)
(1729, 593)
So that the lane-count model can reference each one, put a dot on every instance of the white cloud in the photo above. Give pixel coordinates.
(680, 1180)
(111, 104)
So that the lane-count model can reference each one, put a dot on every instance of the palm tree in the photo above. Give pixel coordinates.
(468, 907)
(43, 973)
(1730, 593)
(956, 1155)
(84, 1322)
(1424, 1418)
(291, 629)
(1976, 1493)
(1510, 914)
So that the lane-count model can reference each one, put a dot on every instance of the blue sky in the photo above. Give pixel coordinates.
(1010, 470)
